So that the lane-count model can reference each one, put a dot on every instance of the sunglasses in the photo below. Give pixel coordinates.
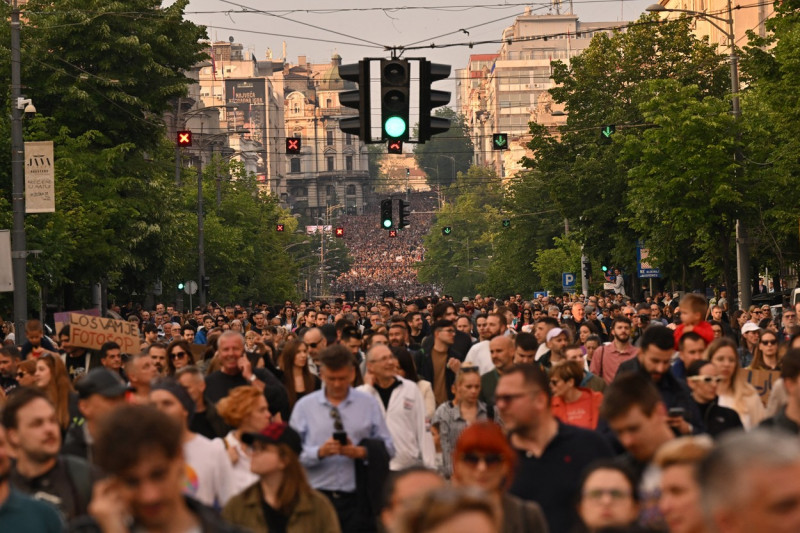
(628, 314)
(21, 374)
(468, 369)
(489, 459)
(614, 494)
(337, 419)
(178, 355)
(706, 379)
(313, 344)
(769, 343)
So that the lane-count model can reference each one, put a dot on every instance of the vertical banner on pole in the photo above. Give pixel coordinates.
(6, 279)
(40, 183)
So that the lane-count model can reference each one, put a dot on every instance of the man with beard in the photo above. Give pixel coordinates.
(158, 353)
(32, 430)
(9, 357)
(19, 512)
(607, 358)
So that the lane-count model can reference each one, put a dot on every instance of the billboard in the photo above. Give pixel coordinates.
(249, 97)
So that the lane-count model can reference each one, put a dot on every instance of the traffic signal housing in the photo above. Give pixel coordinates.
(405, 213)
(280, 227)
(386, 214)
(180, 286)
(395, 147)
(587, 268)
(339, 232)
(607, 132)
(500, 141)
(392, 233)
(447, 230)
(293, 145)
(359, 99)
(429, 99)
(506, 223)
(395, 89)
(184, 139)
(205, 284)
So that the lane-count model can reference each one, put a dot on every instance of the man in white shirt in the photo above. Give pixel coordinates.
(403, 408)
(479, 355)
(208, 468)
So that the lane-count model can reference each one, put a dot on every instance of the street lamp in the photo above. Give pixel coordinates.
(742, 248)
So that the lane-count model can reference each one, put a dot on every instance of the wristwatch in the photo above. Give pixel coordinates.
(252, 378)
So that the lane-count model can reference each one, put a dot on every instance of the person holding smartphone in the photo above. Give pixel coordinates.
(336, 425)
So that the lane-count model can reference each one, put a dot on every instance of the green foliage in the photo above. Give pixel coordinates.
(448, 153)
(551, 263)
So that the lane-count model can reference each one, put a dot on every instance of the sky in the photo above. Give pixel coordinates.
(356, 29)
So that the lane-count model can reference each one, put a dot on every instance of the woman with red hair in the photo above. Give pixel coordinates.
(484, 459)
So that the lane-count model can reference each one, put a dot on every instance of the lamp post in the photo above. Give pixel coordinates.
(742, 245)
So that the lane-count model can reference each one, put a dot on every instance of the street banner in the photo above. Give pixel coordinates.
(62, 319)
(93, 331)
(40, 177)
(6, 271)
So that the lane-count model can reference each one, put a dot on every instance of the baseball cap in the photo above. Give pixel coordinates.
(100, 381)
(465, 299)
(749, 326)
(555, 332)
(276, 433)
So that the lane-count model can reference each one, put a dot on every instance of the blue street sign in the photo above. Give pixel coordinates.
(567, 279)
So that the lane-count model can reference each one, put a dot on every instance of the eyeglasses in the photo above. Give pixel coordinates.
(313, 344)
(706, 379)
(337, 419)
(628, 314)
(769, 343)
(614, 494)
(489, 459)
(178, 355)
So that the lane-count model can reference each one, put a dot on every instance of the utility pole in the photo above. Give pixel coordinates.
(19, 244)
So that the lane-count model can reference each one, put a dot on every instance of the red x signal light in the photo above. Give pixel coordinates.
(279, 227)
(395, 147)
(340, 232)
(392, 233)
(293, 145)
(184, 138)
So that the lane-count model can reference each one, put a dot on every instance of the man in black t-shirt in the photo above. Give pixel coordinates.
(236, 371)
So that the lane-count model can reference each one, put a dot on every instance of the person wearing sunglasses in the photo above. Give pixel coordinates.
(787, 417)
(179, 355)
(703, 378)
(483, 459)
(26, 373)
(766, 355)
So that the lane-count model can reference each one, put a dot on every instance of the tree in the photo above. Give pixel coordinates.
(448, 153)
(551, 263)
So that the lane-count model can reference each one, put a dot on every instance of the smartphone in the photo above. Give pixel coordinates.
(676, 411)
(341, 436)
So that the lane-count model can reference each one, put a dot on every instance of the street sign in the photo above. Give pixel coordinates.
(539, 294)
(190, 287)
(646, 269)
(568, 281)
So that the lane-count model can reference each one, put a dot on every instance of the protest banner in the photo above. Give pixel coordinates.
(762, 380)
(93, 331)
(62, 319)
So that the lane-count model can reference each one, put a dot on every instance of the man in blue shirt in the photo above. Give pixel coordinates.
(337, 425)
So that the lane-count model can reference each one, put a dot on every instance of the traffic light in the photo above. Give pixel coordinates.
(506, 223)
(205, 284)
(392, 233)
(430, 99)
(395, 147)
(339, 232)
(607, 132)
(395, 83)
(447, 230)
(386, 214)
(279, 227)
(180, 286)
(405, 212)
(293, 145)
(500, 141)
(358, 99)
(184, 138)
(587, 268)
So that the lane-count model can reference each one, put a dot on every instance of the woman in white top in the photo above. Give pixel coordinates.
(734, 391)
(246, 410)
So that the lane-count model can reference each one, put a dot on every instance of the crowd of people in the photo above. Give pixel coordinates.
(556, 414)
(381, 263)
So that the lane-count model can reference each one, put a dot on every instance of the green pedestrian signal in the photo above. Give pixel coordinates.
(499, 141)
(386, 214)
(180, 286)
(506, 223)
(604, 268)
(447, 230)
(607, 132)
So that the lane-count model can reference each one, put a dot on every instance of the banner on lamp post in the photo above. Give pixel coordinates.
(40, 183)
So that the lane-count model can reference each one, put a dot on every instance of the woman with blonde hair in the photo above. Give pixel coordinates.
(245, 409)
(734, 391)
(52, 378)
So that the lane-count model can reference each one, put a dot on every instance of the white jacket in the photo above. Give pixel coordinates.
(405, 419)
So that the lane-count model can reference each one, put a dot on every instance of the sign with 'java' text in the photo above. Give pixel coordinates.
(93, 331)
(40, 177)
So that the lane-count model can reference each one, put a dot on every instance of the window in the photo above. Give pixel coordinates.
(348, 139)
(295, 165)
(328, 103)
(348, 163)
(351, 190)
(299, 192)
(330, 164)
(330, 137)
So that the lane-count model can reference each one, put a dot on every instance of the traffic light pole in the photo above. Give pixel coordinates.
(584, 276)
(201, 250)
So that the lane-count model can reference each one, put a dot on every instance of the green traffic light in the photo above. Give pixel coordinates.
(387, 223)
(180, 286)
(605, 268)
(394, 127)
